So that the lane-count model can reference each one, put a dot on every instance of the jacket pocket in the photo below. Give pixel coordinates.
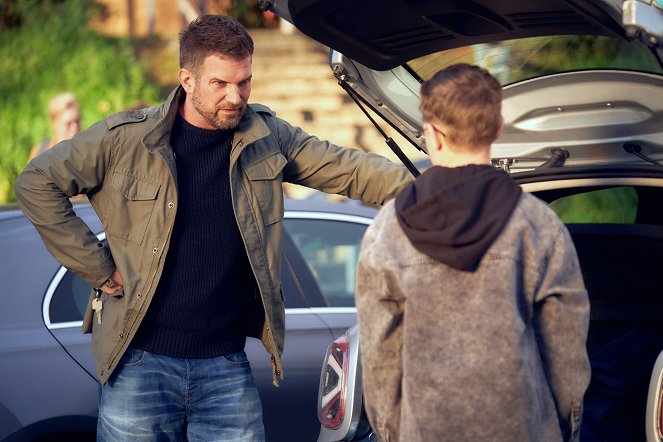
(266, 177)
(130, 207)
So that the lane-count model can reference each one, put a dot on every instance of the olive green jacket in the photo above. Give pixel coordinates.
(126, 167)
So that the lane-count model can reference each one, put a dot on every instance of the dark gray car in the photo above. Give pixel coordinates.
(47, 383)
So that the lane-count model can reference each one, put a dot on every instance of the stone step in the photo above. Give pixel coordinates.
(281, 69)
(307, 102)
(365, 138)
(345, 119)
(309, 86)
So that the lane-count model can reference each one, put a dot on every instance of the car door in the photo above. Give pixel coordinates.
(329, 242)
(289, 411)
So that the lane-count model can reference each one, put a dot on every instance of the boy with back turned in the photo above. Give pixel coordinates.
(473, 314)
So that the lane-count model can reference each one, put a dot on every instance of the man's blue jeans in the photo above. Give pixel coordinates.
(158, 398)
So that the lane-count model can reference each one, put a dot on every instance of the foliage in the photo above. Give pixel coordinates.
(47, 47)
(615, 205)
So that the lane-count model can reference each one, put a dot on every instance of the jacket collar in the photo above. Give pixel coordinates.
(250, 128)
(159, 135)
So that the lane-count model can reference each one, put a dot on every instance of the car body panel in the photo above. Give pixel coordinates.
(26, 344)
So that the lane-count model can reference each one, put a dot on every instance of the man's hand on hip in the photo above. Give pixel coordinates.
(113, 284)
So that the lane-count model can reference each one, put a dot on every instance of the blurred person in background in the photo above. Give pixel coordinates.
(64, 114)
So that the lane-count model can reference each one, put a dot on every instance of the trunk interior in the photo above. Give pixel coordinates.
(621, 266)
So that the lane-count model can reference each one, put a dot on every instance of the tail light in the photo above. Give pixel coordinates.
(333, 384)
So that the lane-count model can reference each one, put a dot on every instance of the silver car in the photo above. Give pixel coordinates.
(583, 109)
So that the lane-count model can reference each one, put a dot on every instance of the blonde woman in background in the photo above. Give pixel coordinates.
(65, 116)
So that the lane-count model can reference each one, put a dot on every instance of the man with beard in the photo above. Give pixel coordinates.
(190, 197)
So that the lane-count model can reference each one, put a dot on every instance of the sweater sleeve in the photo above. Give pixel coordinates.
(380, 313)
(561, 322)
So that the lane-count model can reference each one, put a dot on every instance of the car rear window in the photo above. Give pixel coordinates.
(617, 205)
(521, 59)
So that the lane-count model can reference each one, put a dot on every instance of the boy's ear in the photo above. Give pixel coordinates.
(432, 141)
(500, 129)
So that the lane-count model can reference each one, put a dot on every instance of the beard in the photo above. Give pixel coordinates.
(214, 116)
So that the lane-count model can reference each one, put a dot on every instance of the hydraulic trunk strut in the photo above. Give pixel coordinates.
(390, 142)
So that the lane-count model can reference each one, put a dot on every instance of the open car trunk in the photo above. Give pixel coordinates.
(620, 264)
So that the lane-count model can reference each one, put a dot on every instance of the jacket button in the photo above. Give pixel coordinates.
(140, 295)
(171, 204)
(121, 335)
(155, 250)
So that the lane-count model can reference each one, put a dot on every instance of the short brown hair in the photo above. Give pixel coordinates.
(465, 99)
(213, 34)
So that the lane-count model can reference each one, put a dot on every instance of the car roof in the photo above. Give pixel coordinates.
(344, 207)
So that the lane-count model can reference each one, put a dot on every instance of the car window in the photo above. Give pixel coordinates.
(511, 61)
(617, 205)
(331, 249)
(69, 299)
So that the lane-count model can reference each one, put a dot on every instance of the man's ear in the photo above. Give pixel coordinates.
(187, 80)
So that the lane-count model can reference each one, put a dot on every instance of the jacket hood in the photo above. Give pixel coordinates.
(454, 214)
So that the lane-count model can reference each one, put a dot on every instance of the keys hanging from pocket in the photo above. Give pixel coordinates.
(97, 305)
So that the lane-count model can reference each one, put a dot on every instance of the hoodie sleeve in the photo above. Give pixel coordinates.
(380, 314)
(561, 321)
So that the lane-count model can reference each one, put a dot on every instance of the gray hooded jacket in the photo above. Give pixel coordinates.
(473, 315)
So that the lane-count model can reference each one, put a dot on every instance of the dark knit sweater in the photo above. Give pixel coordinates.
(207, 289)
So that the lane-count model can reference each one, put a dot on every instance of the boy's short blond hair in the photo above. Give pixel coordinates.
(61, 103)
(465, 100)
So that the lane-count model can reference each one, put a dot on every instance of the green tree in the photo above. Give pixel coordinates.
(47, 47)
